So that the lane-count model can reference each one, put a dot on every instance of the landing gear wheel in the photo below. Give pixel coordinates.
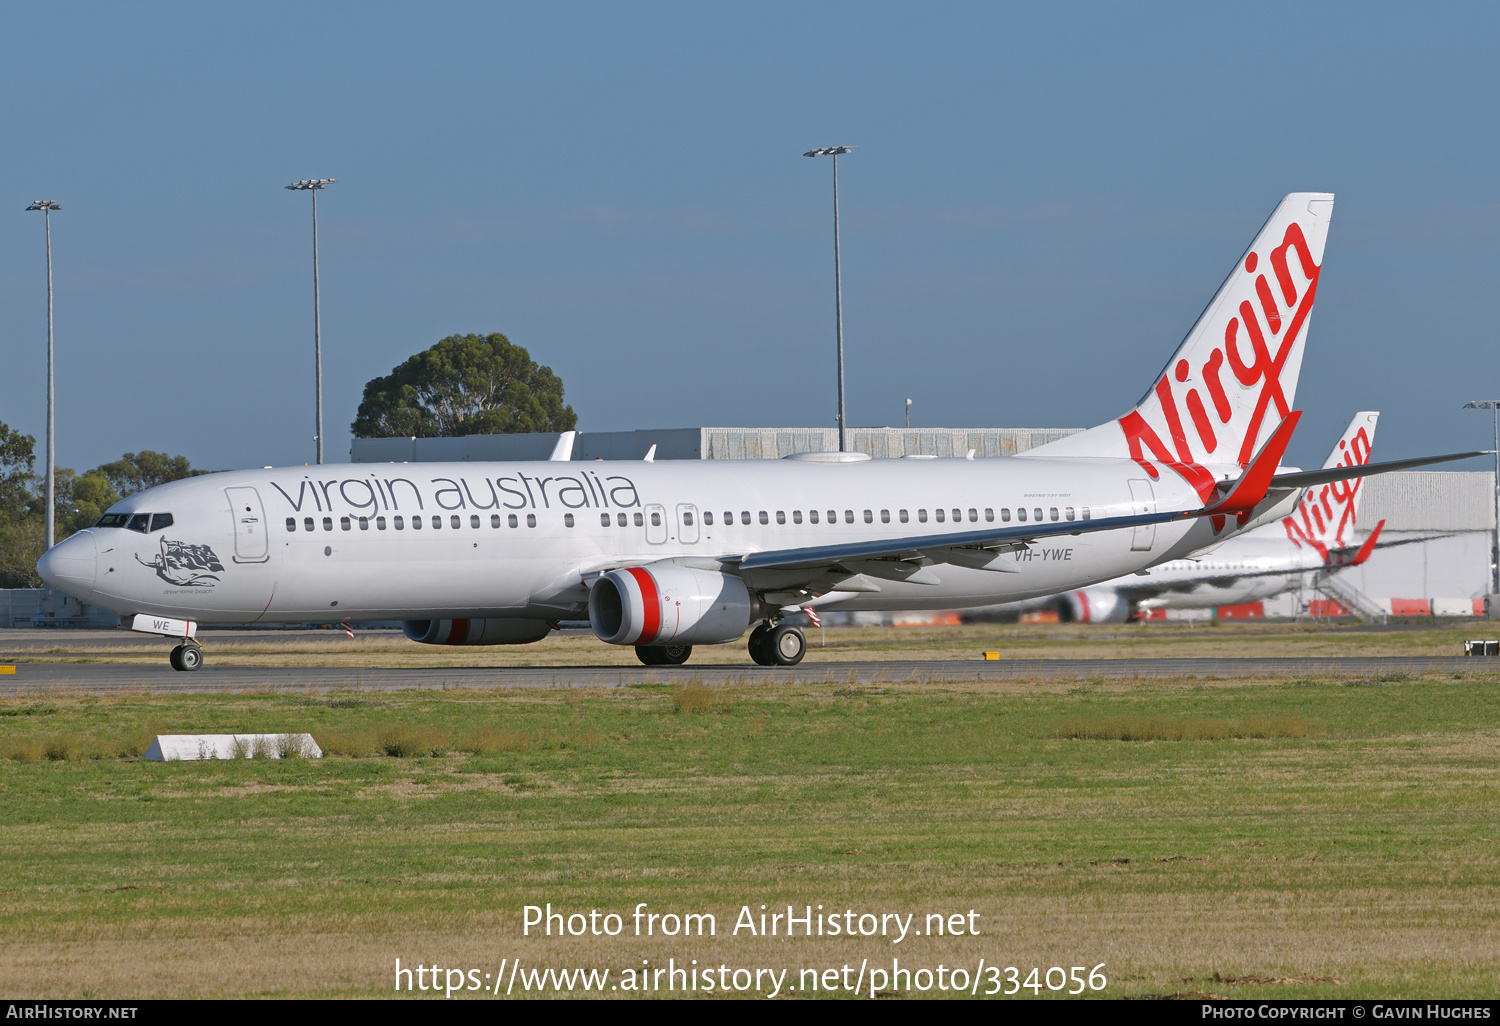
(663, 655)
(786, 645)
(186, 657)
(760, 649)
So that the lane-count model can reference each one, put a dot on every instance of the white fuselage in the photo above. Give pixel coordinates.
(521, 540)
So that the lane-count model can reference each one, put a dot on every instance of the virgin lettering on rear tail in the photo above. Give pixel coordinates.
(1325, 516)
(1234, 377)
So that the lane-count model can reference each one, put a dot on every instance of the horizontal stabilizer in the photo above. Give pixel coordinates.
(1308, 478)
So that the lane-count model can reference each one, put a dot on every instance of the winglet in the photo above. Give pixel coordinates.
(650, 456)
(1368, 547)
(563, 450)
(1253, 484)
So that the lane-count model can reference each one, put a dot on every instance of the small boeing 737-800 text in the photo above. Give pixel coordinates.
(664, 556)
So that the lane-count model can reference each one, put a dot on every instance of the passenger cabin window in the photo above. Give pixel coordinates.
(745, 517)
(140, 522)
(764, 518)
(781, 516)
(640, 521)
(1052, 512)
(603, 519)
(121, 519)
(567, 520)
(328, 523)
(474, 520)
(812, 516)
(516, 523)
(885, 516)
(307, 523)
(989, 515)
(620, 521)
(1021, 514)
(1005, 514)
(380, 523)
(495, 519)
(848, 516)
(1068, 512)
(958, 515)
(973, 515)
(416, 523)
(291, 523)
(656, 519)
(345, 524)
(1085, 512)
(364, 523)
(708, 518)
(1037, 513)
(531, 520)
(939, 514)
(905, 518)
(833, 516)
(921, 516)
(796, 516)
(399, 522)
(869, 517)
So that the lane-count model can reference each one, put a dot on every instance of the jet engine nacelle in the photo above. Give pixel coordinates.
(476, 632)
(668, 604)
(1093, 605)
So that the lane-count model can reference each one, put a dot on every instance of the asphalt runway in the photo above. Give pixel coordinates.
(107, 678)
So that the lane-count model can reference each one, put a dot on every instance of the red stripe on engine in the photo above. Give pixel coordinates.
(651, 601)
(458, 633)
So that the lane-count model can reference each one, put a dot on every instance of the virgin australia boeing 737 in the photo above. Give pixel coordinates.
(664, 556)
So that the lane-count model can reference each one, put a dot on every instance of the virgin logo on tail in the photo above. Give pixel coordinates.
(1325, 517)
(1254, 327)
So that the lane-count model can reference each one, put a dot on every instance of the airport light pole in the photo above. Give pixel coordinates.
(908, 414)
(838, 281)
(312, 185)
(46, 207)
(1494, 406)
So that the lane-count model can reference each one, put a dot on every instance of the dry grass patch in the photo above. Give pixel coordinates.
(1124, 727)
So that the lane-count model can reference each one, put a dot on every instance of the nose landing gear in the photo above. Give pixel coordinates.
(778, 644)
(186, 657)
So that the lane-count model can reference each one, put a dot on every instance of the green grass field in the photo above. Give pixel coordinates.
(1306, 838)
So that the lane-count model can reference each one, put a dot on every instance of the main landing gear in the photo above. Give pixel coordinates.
(777, 644)
(186, 657)
(663, 655)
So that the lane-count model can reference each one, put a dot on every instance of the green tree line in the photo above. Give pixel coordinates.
(80, 498)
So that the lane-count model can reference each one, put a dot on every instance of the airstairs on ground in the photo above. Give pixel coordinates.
(1343, 591)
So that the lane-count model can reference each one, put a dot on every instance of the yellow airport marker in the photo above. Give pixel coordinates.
(991, 656)
(7, 669)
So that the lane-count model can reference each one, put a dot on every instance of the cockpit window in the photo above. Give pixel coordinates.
(140, 522)
(113, 520)
(160, 520)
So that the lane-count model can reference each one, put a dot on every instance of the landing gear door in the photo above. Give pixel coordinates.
(251, 540)
(656, 524)
(1142, 502)
(687, 523)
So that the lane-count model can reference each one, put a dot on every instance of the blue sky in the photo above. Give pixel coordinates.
(1043, 199)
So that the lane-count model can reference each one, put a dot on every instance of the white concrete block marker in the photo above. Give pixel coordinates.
(192, 747)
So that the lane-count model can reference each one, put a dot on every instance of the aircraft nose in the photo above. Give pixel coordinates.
(70, 565)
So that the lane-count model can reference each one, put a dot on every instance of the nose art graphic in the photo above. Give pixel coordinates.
(69, 565)
(186, 566)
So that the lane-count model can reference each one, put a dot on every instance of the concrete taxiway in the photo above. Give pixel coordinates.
(108, 678)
